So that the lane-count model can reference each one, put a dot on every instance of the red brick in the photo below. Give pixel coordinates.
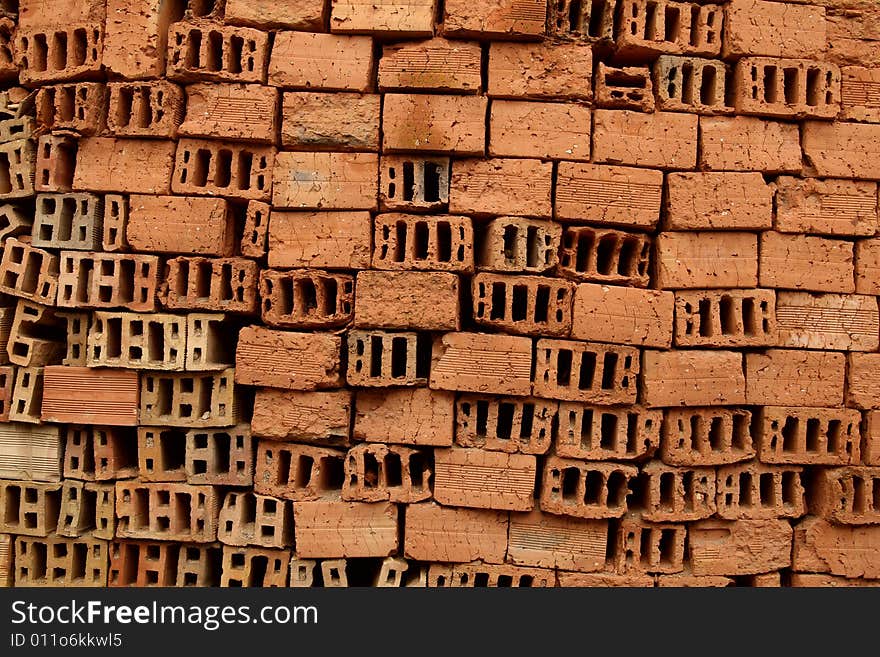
(644, 547)
(335, 240)
(546, 130)
(407, 416)
(77, 106)
(330, 122)
(166, 512)
(213, 284)
(44, 57)
(489, 575)
(434, 123)
(858, 94)
(433, 65)
(502, 19)
(622, 315)
(326, 181)
(282, 359)
(663, 140)
(586, 372)
(559, 70)
(299, 472)
(826, 207)
(686, 27)
(707, 260)
(691, 84)
(847, 322)
(256, 229)
(145, 109)
(115, 221)
(605, 255)
(867, 266)
(409, 241)
(501, 186)
(308, 416)
(870, 447)
(298, 15)
(134, 39)
(56, 561)
(693, 378)
(201, 226)
(815, 580)
(786, 88)
(345, 529)
(549, 541)
(808, 436)
(596, 433)
(847, 495)
(822, 547)
(382, 358)
(504, 424)
(851, 33)
(800, 262)
(841, 150)
(100, 159)
(376, 472)
(427, 301)
(330, 62)
(200, 49)
(627, 87)
(223, 168)
(718, 201)
(516, 244)
(306, 298)
(388, 18)
(744, 547)
(747, 143)
(416, 183)
(774, 29)
(790, 377)
(608, 195)
(528, 305)
(605, 580)
(757, 491)
(189, 399)
(83, 395)
(28, 273)
(231, 111)
(480, 362)
(455, 535)
(585, 490)
(725, 318)
(482, 479)
(863, 381)
(707, 436)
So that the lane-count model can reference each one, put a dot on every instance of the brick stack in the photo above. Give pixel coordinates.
(409, 292)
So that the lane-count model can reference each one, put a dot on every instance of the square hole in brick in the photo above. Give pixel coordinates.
(153, 552)
(164, 497)
(238, 559)
(163, 523)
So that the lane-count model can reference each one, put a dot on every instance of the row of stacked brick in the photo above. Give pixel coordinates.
(450, 294)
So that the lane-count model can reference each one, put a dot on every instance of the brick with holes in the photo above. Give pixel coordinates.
(693, 378)
(664, 26)
(36, 337)
(408, 241)
(707, 436)
(725, 318)
(17, 165)
(331, 529)
(605, 255)
(504, 424)
(246, 518)
(170, 512)
(432, 65)
(626, 87)
(501, 186)
(330, 122)
(307, 416)
(413, 182)
(437, 533)
(482, 362)
(31, 509)
(847, 322)
(57, 561)
(283, 359)
(503, 19)
(256, 229)
(223, 168)
(665, 140)
(605, 580)
(28, 272)
(77, 325)
(677, 494)
(826, 207)
(161, 453)
(55, 163)
(478, 574)
(254, 567)
(68, 221)
(585, 490)
(482, 479)
(707, 260)
(546, 130)
(108, 280)
(792, 377)
(27, 395)
(518, 244)
(425, 301)
(306, 298)
(649, 547)
(748, 143)
(214, 284)
(223, 457)
(870, 447)
(145, 109)
(299, 472)
(206, 345)
(200, 49)
(329, 62)
(757, 491)
(803, 262)
(622, 315)
(550, 541)
(58, 53)
(406, 416)
(722, 201)
(7, 382)
(115, 220)
(786, 88)
(14, 221)
(79, 107)
(774, 29)
(808, 436)
(529, 305)
(7, 571)
(434, 123)
(98, 159)
(596, 433)
(189, 399)
(608, 194)
(586, 372)
(691, 84)
(744, 547)
(848, 495)
(376, 472)
(383, 358)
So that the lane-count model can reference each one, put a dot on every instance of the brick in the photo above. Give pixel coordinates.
(685, 580)
(60, 53)
(302, 14)
(608, 195)
(841, 150)
(605, 255)
(870, 448)
(543, 130)
(501, 186)
(208, 50)
(14, 222)
(134, 39)
(693, 378)
(27, 395)
(206, 347)
(200, 226)
(426, 301)
(859, 87)
(627, 87)
(330, 122)
(256, 229)
(596, 433)
(728, 318)
(786, 88)
(685, 27)
(604, 580)
(222, 457)
(8, 62)
(330, 62)
(189, 399)
(75, 106)
(863, 374)
(32, 453)
(145, 109)
(282, 359)
(98, 159)
(161, 454)
(140, 563)
(851, 33)
(758, 491)
(325, 181)
(502, 19)
(30, 509)
(718, 201)
(231, 111)
(254, 567)
(795, 378)
(55, 163)
(560, 70)
(36, 337)
(345, 529)
(68, 221)
(115, 221)
(249, 519)
(504, 424)
(847, 495)
(413, 183)
(774, 29)
(664, 140)
(482, 479)
(214, 284)
(96, 396)
(622, 315)
(455, 535)
(7, 570)
(7, 317)
(306, 298)
(847, 322)
(516, 244)
(815, 580)
(335, 240)
(107, 280)
(309, 416)
(383, 358)
(166, 512)
(548, 541)
(403, 241)
(408, 416)
(386, 18)
(643, 547)
(744, 547)
(585, 490)
(17, 162)
(478, 574)
(376, 472)
(114, 452)
(529, 305)
(808, 436)
(707, 436)
(826, 207)
(87, 508)
(586, 372)
(747, 143)
(433, 65)
(299, 472)
(137, 341)
(707, 260)
(867, 266)
(13, 129)
(434, 123)
(848, 551)
(801, 262)
(57, 561)
(223, 168)
(481, 362)
(692, 84)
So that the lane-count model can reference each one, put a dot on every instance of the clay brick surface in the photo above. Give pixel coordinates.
(546, 130)
(136, 341)
(707, 260)
(32, 453)
(490, 575)
(594, 433)
(483, 479)
(691, 84)
(585, 490)
(99, 158)
(867, 266)
(345, 529)
(80, 394)
(516, 244)
(429, 122)
(504, 424)
(745, 143)
(505, 18)
(335, 240)
(847, 322)
(223, 168)
(586, 371)
(433, 65)
(605, 255)
(284, 415)
(389, 17)
(481, 362)
(847, 495)
(200, 49)
(189, 399)
(863, 374)
(693, 378)
(622, 315)
(786, 88)
(559, 71)
(530, 305)
(774, 29)
(218, 284)
(375, 472)
(628, 87)
(231, 111)
(383, 358)
(726, 318)
(282, 359)
(57, 561)
(822, 547)
(826, 207)
(794, 435)
(417, 183)
(74, 106)
(743, 547)
(718, 201)
(663, 140)
(325, 181)
(322, 121)
(841, 150)
(303, 14)
(501, 186)
(648, 28)
(795, 378)
(858, 94)
(145, 109)
(548, 541)
(306, 298)
(800, 262)
(416, 416)
(456, 535)
(426, 301)
(331, 62)
(758, 491)
(642, 547)
(200, 226)
(707, 436)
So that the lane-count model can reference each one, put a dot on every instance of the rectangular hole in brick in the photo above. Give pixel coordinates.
(740, 435)
(708, 79)
(570, 480)
(859, 500)
(304, 467)
(593, 484)
(432, 174)
(672, 23)
(203, 275)
(745, 489)
(399, 357)
(400, 230)
(650, 20)
(609, 370)
(771, 92)
(749, 317)
(65, 218)
(875, 493)
(667, 491)
(408, 181)
(66, 103)
(172, 450)
(597, 14)
(376, 348)
(5, 173)
(444, 241)
(236, 48)
(79, 52)
(420, 240)
(542, 302)
(814, 92)
(40, 53)
(608, 431)
(244, 170)
(704, 309)
(140, 511)
(423, 355)
(504, 423)
(59, 51)
(329, 298)
(695, 26)
(833, 435)
(584, 251)
(12, 495)
(526, 421)
(814, 432)
(201, 166)
(789, 434)
(519, 304)
(563, 367)
(215, 51)
(790, 79)
(78, 561)
(666, 547)
(687, 83)
(393, 468)
(509, 243)
(223, 172)
(332, 473)
(144, 117)
(586, 432)
(617, 489)
(482, 416)
(587, 371)
(716, 433)
(605, 252)
(499, 300)
(727, 313)
(164, 396)
(182, 509)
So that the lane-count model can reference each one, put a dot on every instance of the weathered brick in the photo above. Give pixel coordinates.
(330, 122)
(482, 479)
(223, 168)
(345, 529)
(707, 436)
(155, 341)
(246, 518)
(214, 284)
(30, 452)
(608, 195)
(302, 15)
(718, 201)
(376, 472)
(646, 547)
(847, 322)
(408, 416)
(826, 207)
(161, 454)
(605, 255)
(254, 567)
(596, 433)
(691, 84)
(518, 244)
(504, 424)
(529, 305)
(56, 53)
(489, 575)
(396, 18)
(586, 372)
(503, 19)
(757, 491)
(55, 162)
(306, 298)
(189, 399)
(99, 159)
(308, 416)
(335, 240)
(405, 241)
(426, 301)
(802, 262)
(585, 490)
(547, 130)
(180, 224)
(560, 70)
(27, 395)
(725, 318)
(656, 27)
(416, 183)
(550, 541)
(774, 29)
(693, 378)
(56, 561)
(847, 495)
(481, 362)
(326, 181)
(145, 109)
(200, 49)
(859, 87)
(867, 266)
(331, 62)
(747, 143)
(795, 378)
(36, 337)
(17, 162)
(622, 315)
(849, 551)
(382, 358)
(628, 87)
(231, 111)
(167, 512)
(842, 150)
(501, 186)
(433, 65)
(786, 88)
(744, 547)
(448, 534)
(283, 359)
(434, 123)
(707, 260)
(663, 140)
(79, 107)
(863, 377)
(808, 436)
(222, 457)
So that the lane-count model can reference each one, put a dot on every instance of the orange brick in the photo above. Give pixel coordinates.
(433, 65)
(847, 322)
(485, 480)
(707, 260)
(283, 359)
(774, 29)
(180, 224)
(345, 529)
(747, 143)
(550, 541)
(480, 362)
(501, 187)
(270, 14)
(454, 535)
(842, 150)
(826, 207)
(546, 130)
(326, 181)
(90, 396)
(718, 201)
(725, 318)
(427, 301)
(795, 378)
(332, 240)
(100, 159)
(858, 94)
(327, 122)
(223, 168)
(800, 262)
(623, 315)
(500, 19)
(558, 70)
(786, 88)
(863, 381)
(429, 122)
(305, 416)
(744, 547)
(134, 38)
(663, 139)
(822, 547)
(693, 378)
(231, 111)
(588, 372)
(330, 62)
(399, 18)
(408, 416)
(867, 266)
